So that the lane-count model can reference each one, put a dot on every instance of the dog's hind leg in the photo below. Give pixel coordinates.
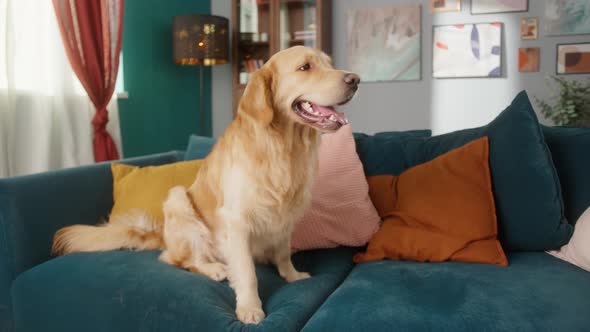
(188, 240)
(195, 263)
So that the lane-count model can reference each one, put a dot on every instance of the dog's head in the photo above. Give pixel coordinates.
(300, 85)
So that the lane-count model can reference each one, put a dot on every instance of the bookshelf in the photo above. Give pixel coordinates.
(264, 27)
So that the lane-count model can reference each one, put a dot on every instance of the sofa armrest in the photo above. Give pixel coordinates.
(34, 207)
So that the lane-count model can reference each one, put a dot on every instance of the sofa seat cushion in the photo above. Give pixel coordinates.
(537, 292)
(133, 291)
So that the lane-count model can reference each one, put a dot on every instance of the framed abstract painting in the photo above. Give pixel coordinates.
(498, 6)
(384, 44)
(467, 50)
(573, 58)
(567, 17)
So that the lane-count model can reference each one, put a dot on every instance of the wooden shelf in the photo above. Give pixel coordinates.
(308, 2)
(247, 43)
(301, 41)
(267, 2)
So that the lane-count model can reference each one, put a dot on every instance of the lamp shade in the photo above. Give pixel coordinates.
(200, 39)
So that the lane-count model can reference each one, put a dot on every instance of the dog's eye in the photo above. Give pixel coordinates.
(305, 67)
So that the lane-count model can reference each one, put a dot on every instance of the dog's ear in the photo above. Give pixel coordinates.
(257, 101)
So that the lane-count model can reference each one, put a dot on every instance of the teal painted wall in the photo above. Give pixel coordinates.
(162, 109)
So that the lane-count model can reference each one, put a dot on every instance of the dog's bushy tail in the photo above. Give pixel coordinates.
(135, 230)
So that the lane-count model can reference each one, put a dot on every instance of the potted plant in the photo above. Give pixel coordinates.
(570, 106)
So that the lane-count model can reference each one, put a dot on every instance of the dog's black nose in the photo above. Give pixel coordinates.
(351, 79)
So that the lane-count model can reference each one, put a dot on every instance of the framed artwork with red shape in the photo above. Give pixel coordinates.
(573, 58)
(528, 59)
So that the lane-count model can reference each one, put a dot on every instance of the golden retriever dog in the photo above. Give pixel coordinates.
(251, 188)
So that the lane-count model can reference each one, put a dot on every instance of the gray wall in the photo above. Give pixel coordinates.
(221, 85)
(440, 104)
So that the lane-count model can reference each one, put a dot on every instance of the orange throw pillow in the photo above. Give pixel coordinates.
(438, 211)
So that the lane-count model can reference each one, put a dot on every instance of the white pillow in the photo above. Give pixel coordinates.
(577, 251)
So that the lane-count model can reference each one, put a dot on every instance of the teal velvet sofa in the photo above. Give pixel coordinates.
(133, 291)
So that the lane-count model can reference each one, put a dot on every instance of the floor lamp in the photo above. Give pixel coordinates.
(200, 40)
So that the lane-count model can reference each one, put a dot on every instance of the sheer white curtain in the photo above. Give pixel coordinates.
(45, 115)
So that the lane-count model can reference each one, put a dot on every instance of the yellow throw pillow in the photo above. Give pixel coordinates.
(146, 188)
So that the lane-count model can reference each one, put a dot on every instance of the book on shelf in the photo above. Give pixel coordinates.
(304, 33)
(251, 65)
(305, 38)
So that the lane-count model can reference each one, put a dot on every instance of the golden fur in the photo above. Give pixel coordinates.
(250, 190)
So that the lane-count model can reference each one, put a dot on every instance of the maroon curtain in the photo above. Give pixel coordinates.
(91, 31)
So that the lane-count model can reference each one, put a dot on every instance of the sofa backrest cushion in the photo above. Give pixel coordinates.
(570, 149)
(525, 183)
(385, 153)
(198, 147)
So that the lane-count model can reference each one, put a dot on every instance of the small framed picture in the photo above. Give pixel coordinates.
(529, 28)
(573, 58)
(439, 6)
(528, 59)
(498, 6)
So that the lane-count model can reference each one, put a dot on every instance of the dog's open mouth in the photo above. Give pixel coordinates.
(321, 117)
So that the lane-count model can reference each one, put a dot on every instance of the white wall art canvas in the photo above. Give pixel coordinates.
(384, 43)
(567, 17)
(467, 50)
(498, 6)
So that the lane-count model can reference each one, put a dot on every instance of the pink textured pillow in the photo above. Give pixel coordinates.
(577, 251)
(341, 211)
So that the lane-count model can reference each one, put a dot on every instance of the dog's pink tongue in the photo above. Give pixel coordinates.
(329, 111)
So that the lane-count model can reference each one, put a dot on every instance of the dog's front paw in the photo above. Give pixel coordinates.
(250, 315)
(297, 276)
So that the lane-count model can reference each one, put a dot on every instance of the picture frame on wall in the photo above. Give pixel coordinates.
(566, 17)
(498, 6)
(384, 44)
(529, 59)
(467, 50)
(441, 6)
(529, 28)
(573, 58)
